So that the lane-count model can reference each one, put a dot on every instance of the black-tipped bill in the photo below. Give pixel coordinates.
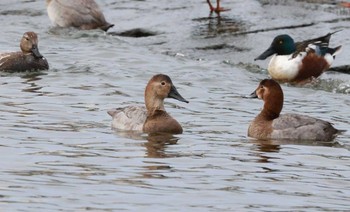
(270, 51)
(36, 52)
(175, 94)
(252, 95)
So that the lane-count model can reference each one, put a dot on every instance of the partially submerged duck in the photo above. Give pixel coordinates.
(299, 62)
(27, 59)
(81, 14)
(153, 118)
(270, 125)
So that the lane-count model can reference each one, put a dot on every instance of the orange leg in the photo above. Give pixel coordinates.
(345, 4)
(218, 9)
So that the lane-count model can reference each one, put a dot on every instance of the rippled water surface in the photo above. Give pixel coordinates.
(58, 151)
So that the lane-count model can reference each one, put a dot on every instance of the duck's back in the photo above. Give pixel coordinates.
(129, 118)
(300, 127)
(18, 61)
(83, 14)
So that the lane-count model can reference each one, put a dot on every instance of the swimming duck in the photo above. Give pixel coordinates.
(299, 62)
(216, 9)
(27, 59)
(82, 14)
(269, 124)
(153, 118)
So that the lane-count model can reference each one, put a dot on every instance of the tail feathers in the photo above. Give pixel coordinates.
(338, 132)
(335, 51)
(322, 51)
(106, 26)
(111, 112)
(114, 111)
(319, 45)
(322, 41)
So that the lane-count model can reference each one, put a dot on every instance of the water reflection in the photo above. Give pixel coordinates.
(276, 145)
(30, 79)
(155, 143)
(268, 147)
(211, 27)
(303, 142)
(262, 147)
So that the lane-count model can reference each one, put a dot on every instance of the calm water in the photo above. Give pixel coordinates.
(58, 151)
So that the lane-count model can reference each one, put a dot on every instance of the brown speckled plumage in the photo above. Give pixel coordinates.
(29, 58)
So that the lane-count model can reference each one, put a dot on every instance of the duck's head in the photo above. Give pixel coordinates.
(281, 45)
(272, 95)
(29, 44)
(158, 88)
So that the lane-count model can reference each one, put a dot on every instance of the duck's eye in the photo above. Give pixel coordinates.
(27, 39)
(281, 42)
(162, 83)
(261, 86)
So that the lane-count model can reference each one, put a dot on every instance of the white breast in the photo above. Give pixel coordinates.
(284, 67)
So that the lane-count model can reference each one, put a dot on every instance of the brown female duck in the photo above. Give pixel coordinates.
(153, 118)
(27, 59)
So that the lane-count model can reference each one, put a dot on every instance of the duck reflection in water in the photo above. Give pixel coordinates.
(274, 146)
(155, 143)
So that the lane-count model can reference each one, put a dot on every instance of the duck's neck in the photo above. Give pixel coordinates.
(267, 114)
(272, 107)
(153, 104)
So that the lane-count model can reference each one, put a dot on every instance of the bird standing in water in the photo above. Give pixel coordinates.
(216, 9)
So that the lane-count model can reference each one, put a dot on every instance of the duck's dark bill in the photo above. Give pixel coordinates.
(252, 95)
(270, 51)
(36, 52)
(175, 94)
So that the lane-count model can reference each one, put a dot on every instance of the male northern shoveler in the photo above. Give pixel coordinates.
(216, 9)
(301, 61)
